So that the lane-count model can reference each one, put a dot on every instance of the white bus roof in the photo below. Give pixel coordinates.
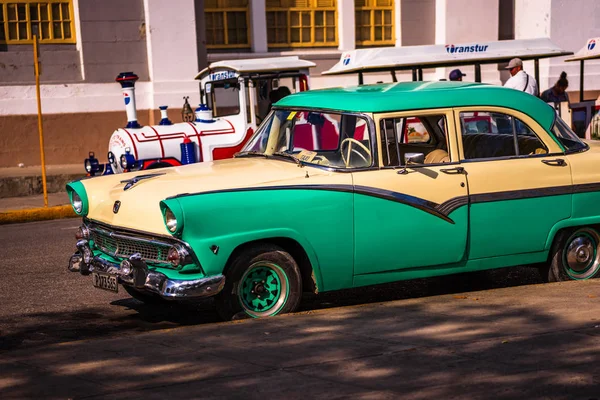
(590, 51)
(410, 57)
(258, 65)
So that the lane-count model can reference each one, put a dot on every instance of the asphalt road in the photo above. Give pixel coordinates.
(43, 303)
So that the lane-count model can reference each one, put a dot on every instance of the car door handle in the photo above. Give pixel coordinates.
(557, 162)
(452, 171)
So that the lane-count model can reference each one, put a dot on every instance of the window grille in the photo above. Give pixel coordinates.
(302, 23)
(51, 20)
(374, 22)
(226, 24)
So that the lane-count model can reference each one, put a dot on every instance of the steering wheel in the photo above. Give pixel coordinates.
(355, 151)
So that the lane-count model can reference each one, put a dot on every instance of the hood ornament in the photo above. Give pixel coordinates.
(131, 182)
(116, 206)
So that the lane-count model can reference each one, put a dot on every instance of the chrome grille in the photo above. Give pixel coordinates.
(121, 246)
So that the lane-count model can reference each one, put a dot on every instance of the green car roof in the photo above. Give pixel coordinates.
(403, 96)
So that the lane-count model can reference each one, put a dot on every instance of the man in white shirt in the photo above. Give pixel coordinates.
(520, 80)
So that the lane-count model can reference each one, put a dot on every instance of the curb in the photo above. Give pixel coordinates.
(37, 214)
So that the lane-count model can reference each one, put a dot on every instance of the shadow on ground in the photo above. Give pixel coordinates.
(42, 328)
(129, 315)
(478, 346)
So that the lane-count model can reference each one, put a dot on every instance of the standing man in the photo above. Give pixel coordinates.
(519, 79)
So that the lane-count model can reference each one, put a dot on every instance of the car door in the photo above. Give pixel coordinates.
(519, 181)
(415, 217)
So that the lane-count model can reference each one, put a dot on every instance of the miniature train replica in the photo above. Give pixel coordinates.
(235, 97)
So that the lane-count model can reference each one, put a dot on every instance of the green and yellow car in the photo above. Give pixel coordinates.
(348, 187)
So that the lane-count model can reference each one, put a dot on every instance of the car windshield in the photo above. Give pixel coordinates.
(566, 136)
(334, 140)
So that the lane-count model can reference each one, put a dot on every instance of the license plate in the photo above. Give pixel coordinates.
(105, 281)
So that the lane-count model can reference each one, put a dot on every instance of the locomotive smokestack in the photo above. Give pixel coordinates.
(127, 81)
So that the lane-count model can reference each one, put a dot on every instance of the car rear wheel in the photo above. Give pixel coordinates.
(575, 255)
(263, 281)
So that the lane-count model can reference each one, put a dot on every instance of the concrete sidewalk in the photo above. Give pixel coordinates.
(527, 342)
(20, 182)
(21, 198)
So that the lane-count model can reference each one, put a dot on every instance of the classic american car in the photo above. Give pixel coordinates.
(347, 187)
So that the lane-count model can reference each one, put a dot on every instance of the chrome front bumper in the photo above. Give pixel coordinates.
(136, 274)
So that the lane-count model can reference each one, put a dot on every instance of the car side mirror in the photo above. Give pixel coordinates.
(412, 158)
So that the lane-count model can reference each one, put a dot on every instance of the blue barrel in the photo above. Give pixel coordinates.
(188, 153)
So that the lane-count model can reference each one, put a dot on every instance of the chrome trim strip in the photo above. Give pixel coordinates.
(442, 210)
(422, 204)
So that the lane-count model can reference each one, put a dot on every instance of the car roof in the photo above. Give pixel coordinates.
(405, 96)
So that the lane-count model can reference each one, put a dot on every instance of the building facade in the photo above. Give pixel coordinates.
(85, 44)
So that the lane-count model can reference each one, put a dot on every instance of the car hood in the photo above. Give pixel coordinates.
(139, 204)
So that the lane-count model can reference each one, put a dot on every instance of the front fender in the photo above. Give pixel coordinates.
(214, 260)
(321, 221)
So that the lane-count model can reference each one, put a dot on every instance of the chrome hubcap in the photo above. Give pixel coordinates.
(582, 259)
(580, 253)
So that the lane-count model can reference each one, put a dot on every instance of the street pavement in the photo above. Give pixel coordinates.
(493, 335)
(525, 342)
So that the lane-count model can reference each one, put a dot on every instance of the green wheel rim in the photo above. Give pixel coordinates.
(263, 289)
(581, 259)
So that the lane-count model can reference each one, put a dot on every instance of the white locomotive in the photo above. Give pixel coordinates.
(236, 95)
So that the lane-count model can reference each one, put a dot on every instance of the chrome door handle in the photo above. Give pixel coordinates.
(452, 171)
(557, 162)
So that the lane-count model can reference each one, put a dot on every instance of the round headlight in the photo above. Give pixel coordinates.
(88, 165)
(77, 203)
(170, 220)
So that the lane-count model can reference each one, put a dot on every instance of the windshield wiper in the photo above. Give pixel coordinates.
(250, 154)
(290, 156)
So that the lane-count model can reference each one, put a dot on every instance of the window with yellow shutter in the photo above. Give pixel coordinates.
(374, 22)
(226, 24)
(302, 23)
(51, 20)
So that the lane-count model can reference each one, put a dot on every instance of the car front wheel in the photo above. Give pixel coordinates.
(575, 255)
(263, 281)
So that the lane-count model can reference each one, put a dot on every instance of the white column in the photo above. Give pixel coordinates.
(172, 53)
(454, 25)
(258, 26)
(440, 22)
(532, 20)
(398, 22)
(346, 25)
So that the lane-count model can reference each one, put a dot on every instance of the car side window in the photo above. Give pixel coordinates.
(497, 135)
(423, 134)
